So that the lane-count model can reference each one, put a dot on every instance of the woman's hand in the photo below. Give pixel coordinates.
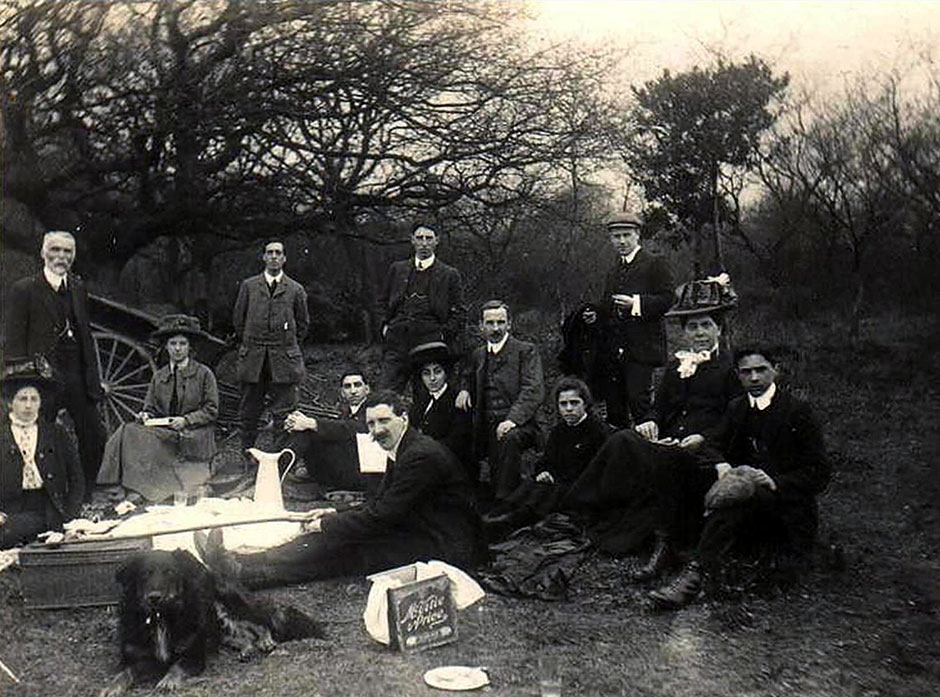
(143, 416)
(177, 423)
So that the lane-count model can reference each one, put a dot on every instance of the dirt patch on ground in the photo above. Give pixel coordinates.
(863, 621)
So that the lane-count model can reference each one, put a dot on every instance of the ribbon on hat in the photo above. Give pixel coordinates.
(689, 361)
(722, 279)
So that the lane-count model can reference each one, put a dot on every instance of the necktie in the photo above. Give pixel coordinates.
(62, 290)
(272, 286)
(175, 400)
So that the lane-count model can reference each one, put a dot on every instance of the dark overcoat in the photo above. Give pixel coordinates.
(57, 462)
(445, 297)
(423, 506)
(198, 390)
(643, 338)
(34, 324)
(271, 326)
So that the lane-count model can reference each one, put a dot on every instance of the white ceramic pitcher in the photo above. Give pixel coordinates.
(268, 482)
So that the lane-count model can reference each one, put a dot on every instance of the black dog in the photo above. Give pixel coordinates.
(174, 614)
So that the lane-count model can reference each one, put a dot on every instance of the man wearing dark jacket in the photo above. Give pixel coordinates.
(502, 383)
(637, 293)
(271, 320)
(763, 496)
(420, 301)
(47, 314)
(423, 510)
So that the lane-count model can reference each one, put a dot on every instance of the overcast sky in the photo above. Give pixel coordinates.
(818, 43)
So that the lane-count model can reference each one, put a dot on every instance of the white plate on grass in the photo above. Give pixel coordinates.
(457, 678)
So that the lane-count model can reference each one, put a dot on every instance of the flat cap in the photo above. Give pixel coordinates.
(624, 219)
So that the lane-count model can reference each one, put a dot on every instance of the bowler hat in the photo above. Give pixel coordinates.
(431, 352)
(26, 372)
(624, 219)
(713, 294)
(171, 325)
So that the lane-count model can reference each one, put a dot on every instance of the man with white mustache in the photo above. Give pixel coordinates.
(47, 314)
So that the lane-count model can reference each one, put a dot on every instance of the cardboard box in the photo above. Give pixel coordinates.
(80, 575)
(421, 614)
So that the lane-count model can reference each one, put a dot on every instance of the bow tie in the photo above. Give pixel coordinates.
(689, 360)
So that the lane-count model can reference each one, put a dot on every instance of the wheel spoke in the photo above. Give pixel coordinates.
(128, 376)
(130, 353)
(124, 389)
(111, 357)
(124, 406)
(117, 416)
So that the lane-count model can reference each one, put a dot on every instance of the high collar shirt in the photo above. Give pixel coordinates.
(269, 279)
(393, 453)
(424, 264)
(26, 435)
(763, 401)
(54, 279)
(498, 346)
(628, 258)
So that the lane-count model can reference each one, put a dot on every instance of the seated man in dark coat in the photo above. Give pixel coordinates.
(423, 510)
(328, 446)
(765, 495)
(617, 487)
(434, 411)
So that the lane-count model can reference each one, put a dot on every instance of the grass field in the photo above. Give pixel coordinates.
(865, 621)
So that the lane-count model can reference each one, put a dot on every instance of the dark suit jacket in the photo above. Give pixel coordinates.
(518, 376)
(271, 326)
(642, 338)
(58, 464)
(445, 296)
(33, 324)
(443, 422)
(791, 448)
(698, 403)
(331, 454)
(424, 497)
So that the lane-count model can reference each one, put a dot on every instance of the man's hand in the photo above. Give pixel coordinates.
(313, 520)
(504, 427)
(648, 429)
(463, 401)
(722, 468)
(298, 421)
(693, 441)
(177, 423)
(589, 316)
(545, 478)
(624, 301)
(759, 477)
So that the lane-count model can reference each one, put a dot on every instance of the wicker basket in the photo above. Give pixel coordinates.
(75, 575)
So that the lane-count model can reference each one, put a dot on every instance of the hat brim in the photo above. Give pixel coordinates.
(705, 310)
(14, 383)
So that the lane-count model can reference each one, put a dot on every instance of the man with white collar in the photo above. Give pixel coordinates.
(637, 293)
(421, 301)
(423, 510)
(328, 446)
(762, 497)
(47, 314)
(270, 319)
(502, 383)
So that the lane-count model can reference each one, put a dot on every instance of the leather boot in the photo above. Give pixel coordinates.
(213, 553)
(661, 559)
(683, 590)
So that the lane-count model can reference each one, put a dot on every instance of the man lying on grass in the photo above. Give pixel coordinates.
(422, 510)
(763, 497)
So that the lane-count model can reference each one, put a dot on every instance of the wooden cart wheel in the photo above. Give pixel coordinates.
(125, 367)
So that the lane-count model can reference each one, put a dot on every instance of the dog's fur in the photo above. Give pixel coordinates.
(174, 614)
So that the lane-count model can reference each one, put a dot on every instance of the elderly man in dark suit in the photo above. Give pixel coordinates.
(503, 384)
(423, 510)
(762, 497)
(47, 314)
(637, 293)
(271, 320)
(420, 301)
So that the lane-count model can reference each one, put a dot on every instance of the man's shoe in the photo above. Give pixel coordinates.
(662, 558)
(683, 590)
(214, 555)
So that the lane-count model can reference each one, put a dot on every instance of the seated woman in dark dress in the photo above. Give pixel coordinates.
(433, 411)
(41, 479)
(169, 448)
(571, 444)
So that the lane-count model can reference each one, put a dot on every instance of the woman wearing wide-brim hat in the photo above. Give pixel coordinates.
(168, 449)
(433, 411)
(41, 480)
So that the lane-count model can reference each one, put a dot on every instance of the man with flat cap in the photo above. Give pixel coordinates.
(637, 293)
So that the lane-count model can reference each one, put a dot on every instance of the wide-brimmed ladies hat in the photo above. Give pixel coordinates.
(20, 372)
(172, 325)
(431, 352)
(707, 296)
